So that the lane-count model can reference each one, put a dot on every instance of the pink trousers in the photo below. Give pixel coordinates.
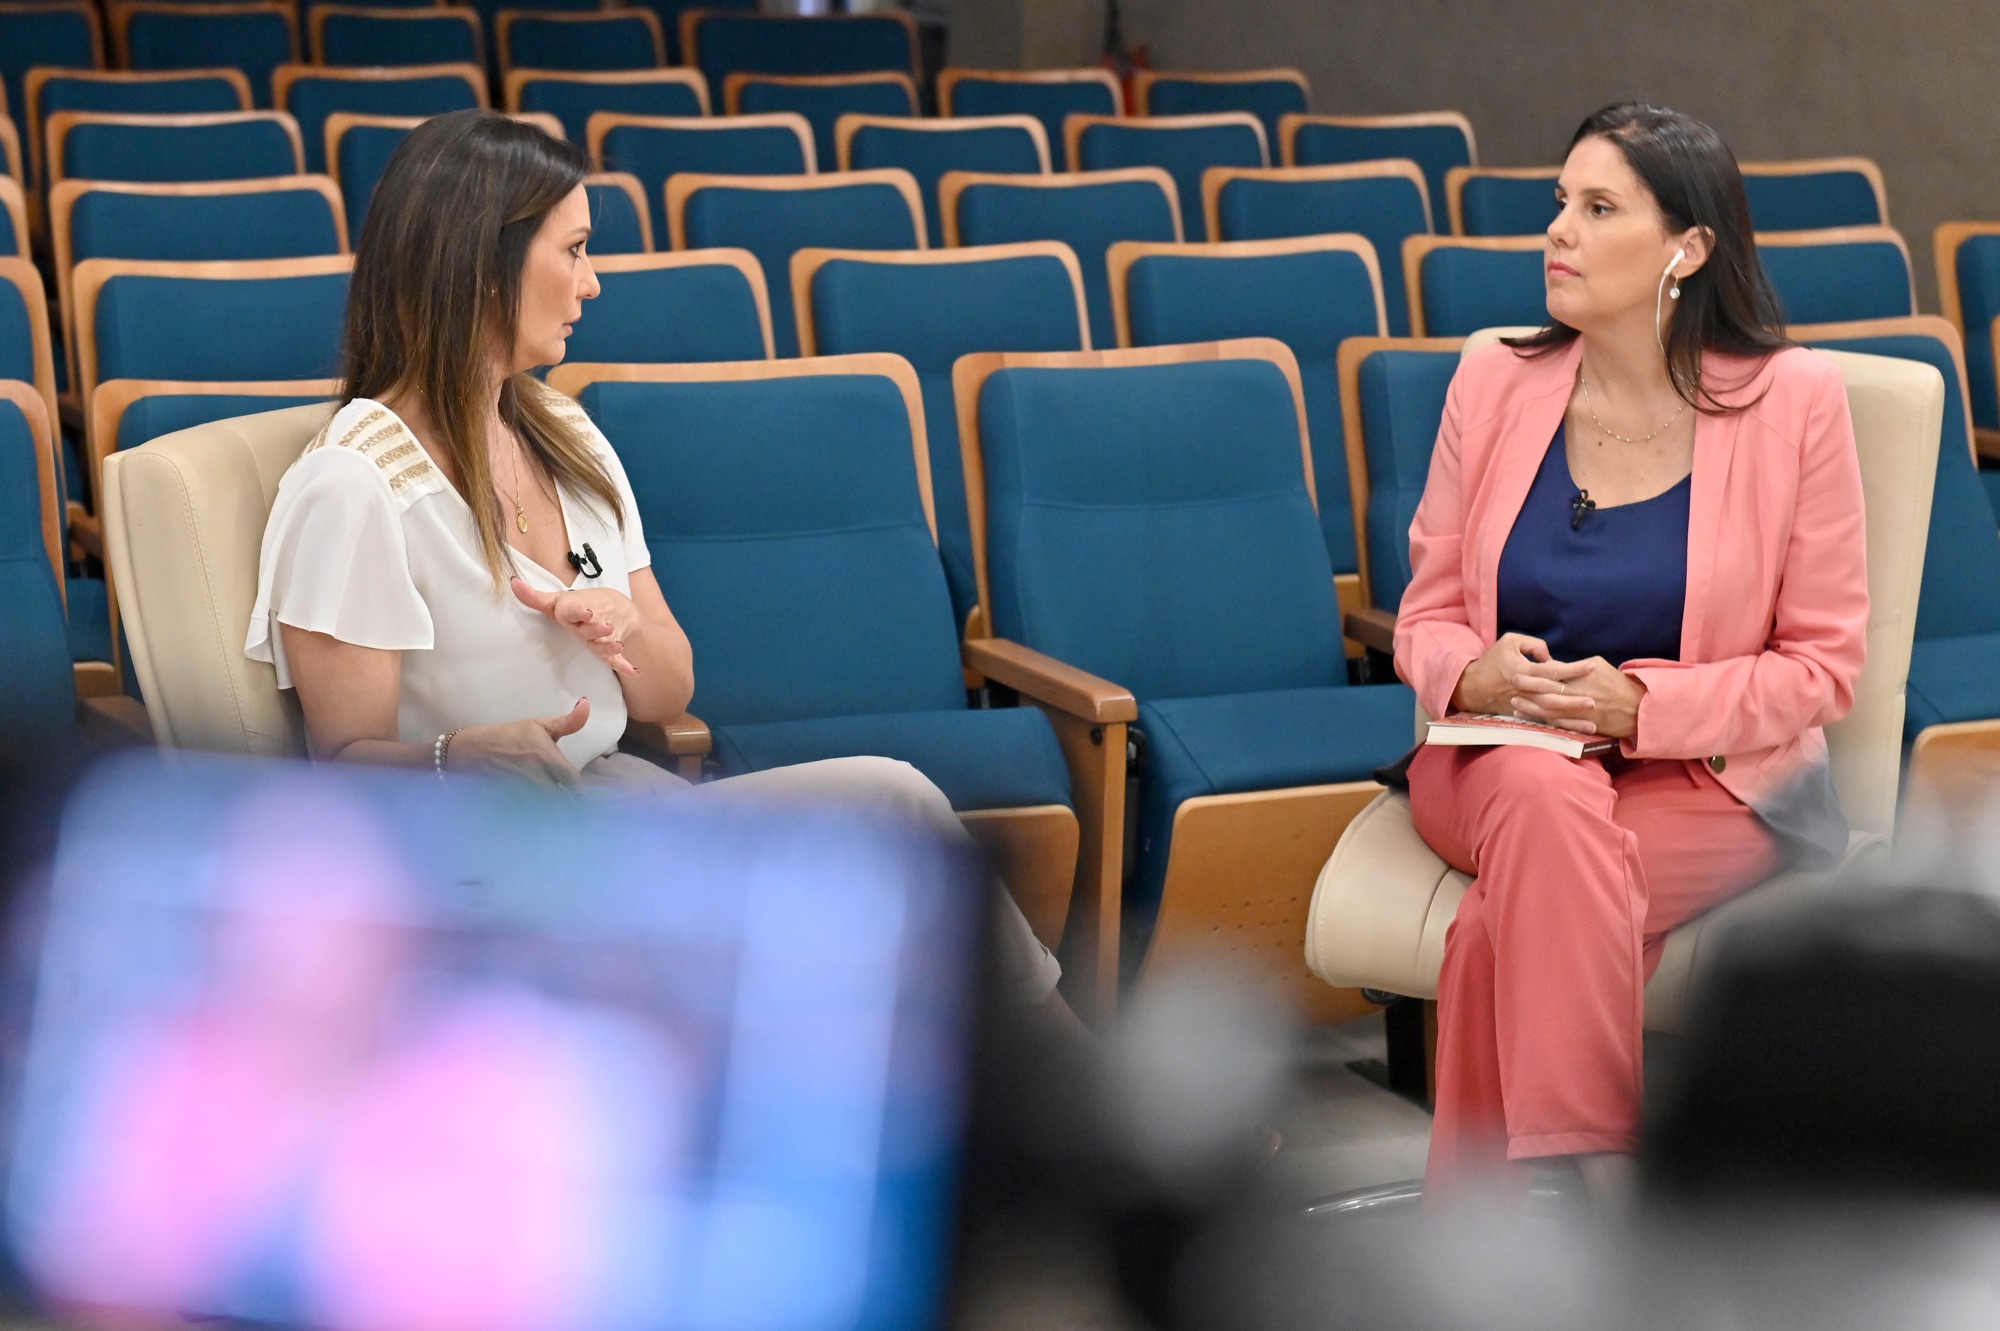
(1582, 869)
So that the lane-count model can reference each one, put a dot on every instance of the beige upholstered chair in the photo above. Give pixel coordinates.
(1384, 900)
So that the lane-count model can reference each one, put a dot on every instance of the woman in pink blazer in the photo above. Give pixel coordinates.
(1643, 523)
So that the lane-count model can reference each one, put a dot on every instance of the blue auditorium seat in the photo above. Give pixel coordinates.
(1396, 389)
(822, 99)
(1385, 201)
(1311, 294)
(1268, 94)
(1049, 95)
(358, 35)
(150, 409)
(54, 36)
(573, 96)
(358, 152)
(1182, 146)
(1150, 524)
(609, 39)
(1437, 141)
(620, 222)
(311, 93)
(1955, 661)
(1802, 196)
(949, 304)
(669, 13)
(1968, 262)
(694, 305)
(13, 219)
(1464, 284)
(1088, 213)
(38, 704)
(1501, 201)
(235, 145)
(122, 92)
(657, 148)
(785, 517)
(1851, 276)
(255, 39)
(929, 147)
(775, 217)
(721, 44)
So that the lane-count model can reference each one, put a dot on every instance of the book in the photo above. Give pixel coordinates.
(1474, 730)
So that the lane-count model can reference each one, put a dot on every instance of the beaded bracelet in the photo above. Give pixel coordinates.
(441, 749)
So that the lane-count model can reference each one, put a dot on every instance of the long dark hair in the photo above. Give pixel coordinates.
(437, 282)
(1728, 304)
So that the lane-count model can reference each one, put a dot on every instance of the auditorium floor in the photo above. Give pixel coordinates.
(1341, 1132)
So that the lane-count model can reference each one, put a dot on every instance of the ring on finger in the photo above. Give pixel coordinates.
(1562, 686)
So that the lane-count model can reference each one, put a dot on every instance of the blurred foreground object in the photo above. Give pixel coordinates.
(359, 1049)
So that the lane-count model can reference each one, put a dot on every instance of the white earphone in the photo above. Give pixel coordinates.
(1666, 273)
(1679, 254)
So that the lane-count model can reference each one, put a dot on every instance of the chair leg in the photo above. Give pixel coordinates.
(1095, 752)
(1412, 1028)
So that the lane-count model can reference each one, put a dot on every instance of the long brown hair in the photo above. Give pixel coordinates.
(437, 284)
(1727, 305)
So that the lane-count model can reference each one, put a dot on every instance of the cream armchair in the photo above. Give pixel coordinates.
(1384, 900)
(183, 525)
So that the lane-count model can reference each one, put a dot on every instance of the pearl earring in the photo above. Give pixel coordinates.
(1675, 293)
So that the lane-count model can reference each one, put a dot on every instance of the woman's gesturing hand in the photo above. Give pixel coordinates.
(1592, 697)
(604, 619)
(520, 748)
(1488, 683)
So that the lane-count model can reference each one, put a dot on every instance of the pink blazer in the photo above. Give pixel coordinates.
(1774, 632)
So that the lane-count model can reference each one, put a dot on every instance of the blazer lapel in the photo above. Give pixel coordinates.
(1523, 443)
(1714, 450)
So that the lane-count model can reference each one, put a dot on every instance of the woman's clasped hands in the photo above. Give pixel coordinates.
(1517, 676)
(605, 620)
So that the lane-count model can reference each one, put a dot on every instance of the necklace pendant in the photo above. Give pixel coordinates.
(521, 520)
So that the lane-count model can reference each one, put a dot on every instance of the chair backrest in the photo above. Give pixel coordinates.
(183, 528)
(25, 350)
(1501, 200)
(822, 99)
(1049, 95)
(128, 413)
(1961, 576)
(1840, 274)
(59, 34)
(38, 704)
(774, 217)
(11, 162)
(1385, 201)
(607, 39)
(658, 148)
(1268, 94)
(1089, 213)
(287, 217)
(13, 218)
(1311, 293)
(929, 147)
(358, 149)
(1392, 392)
(424, 35)
(690, 305)
(1147, 515)
(186, 92)
(311, 93)
(1458, 285)
(1435, 140)
(1968, 277)
(201, 322)
(1897, 406)
(787, 505)
(231, 145)
(1182, 146)
(573, 96)
(1827, 192)
(931, 307)
(720, 43)
(620, 221)
(255, 37)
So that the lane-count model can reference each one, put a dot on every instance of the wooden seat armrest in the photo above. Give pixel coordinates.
(1374, 628)
(1047, 680)
(115, 721)
(683, 737)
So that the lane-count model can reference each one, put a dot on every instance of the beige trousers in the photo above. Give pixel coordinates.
(1027, 970)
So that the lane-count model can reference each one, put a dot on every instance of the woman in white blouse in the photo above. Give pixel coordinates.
(417, 585)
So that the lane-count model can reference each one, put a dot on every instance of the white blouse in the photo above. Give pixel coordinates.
(368, 542)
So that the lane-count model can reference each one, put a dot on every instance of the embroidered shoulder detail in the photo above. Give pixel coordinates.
(379, 435)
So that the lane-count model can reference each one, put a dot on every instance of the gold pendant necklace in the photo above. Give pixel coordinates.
(520, 513)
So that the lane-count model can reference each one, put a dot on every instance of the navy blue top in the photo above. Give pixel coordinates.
(1613, 585)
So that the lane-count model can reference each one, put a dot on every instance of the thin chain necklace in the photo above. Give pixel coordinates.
(1584, 379)
(521, 514)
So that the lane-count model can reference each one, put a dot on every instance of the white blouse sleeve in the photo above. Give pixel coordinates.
(335, 562)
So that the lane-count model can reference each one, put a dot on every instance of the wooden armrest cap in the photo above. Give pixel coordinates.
(683, 737)
(1046, 680)
(1374, 628)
